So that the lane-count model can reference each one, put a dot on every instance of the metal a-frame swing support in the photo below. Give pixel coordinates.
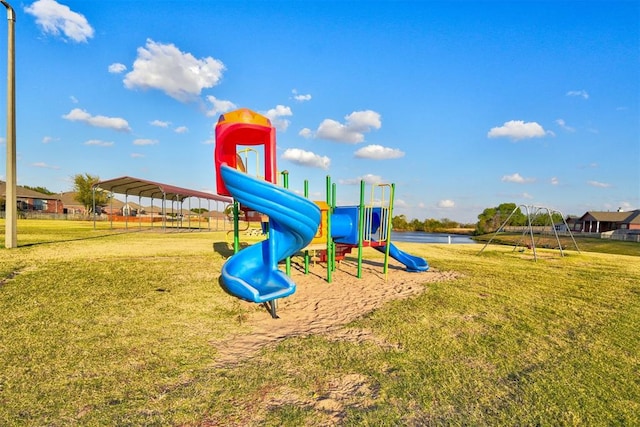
(530, 211)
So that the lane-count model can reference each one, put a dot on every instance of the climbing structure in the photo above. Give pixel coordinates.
(295, 223)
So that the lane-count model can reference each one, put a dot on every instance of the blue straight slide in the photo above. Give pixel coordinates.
(252, 274)
(412, 262)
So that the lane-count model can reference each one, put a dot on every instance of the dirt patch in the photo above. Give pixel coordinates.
(318, 307)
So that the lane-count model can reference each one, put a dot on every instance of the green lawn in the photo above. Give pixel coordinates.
(108, 328)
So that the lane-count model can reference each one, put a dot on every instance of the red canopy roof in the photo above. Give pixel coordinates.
(143, 188)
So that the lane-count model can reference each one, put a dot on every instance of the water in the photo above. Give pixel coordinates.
(422, 237)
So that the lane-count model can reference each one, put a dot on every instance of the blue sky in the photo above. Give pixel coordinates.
(463, 105)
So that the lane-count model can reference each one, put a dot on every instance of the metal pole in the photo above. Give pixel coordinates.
(388, 229)
(306, 253)
(11, 201)
(285, 183)
(139, 212)
(93, 200)
(330, 257)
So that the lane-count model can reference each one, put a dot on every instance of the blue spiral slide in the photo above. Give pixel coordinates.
(252, 274)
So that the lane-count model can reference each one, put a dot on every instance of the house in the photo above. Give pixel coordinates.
(601, 222)
(572, 224)
(33, 201)
(74, 207)
(71, 205)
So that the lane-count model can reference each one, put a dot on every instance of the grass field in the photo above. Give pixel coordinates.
(108, 328)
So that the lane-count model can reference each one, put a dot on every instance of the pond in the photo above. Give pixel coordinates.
(422, 237)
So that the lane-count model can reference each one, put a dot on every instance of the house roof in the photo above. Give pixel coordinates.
(25, 193)
(622, 217)
(634, 218)
(143, 188)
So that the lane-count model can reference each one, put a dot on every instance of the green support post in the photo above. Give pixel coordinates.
(333, 242)
(285, 183)
(360, 230)
(330, 257)
(306, 253)
(389, 223)
(236, 224)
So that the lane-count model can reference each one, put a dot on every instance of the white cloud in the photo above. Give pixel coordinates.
(581, 93)
(306, 133)
(180, 75)
(117, 68)
(526, 196)
(160, 123)
(73, 99)
(115, 123)
(378, 152)
(48, 139)
(137, 155)
(517, 178)
(400, 203)
(55, 18)
(306, 158)
(446, 204)
(352, 131)
(598, 184)
(564, 126)
(143, 141)
(219, 106)
(181, 129)
(592, 165)
(368, 179)
(300, 97)
(276, 114)
(99, 143)
(44, 165)
(555, 181)
(516, 130)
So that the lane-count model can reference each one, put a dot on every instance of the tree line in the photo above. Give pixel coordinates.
(507, 214)
(510, 215)
(488, 221)
(430, 225)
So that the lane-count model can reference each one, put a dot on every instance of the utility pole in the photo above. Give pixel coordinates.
(11, 201)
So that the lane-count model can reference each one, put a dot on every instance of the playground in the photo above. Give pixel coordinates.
(292, 223)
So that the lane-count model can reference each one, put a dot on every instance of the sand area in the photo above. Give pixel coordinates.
(319, 307)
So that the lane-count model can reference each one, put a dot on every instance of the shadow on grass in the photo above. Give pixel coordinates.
(75, 239)
(225, 249)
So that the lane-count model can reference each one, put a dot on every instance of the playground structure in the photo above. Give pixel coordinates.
(531, 212)
(295, 224)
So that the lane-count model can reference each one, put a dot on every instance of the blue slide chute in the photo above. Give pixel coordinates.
(252, 274)
(412, 262)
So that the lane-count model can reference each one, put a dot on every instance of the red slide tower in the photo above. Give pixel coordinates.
(245, 128)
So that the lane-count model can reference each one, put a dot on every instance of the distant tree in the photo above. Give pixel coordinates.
(431, 225)
(42, 190)
(416, 225)
(399, 222)
(448, 224)
(199, 211)
(492, 218)
(542, 218)
(83, 186)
